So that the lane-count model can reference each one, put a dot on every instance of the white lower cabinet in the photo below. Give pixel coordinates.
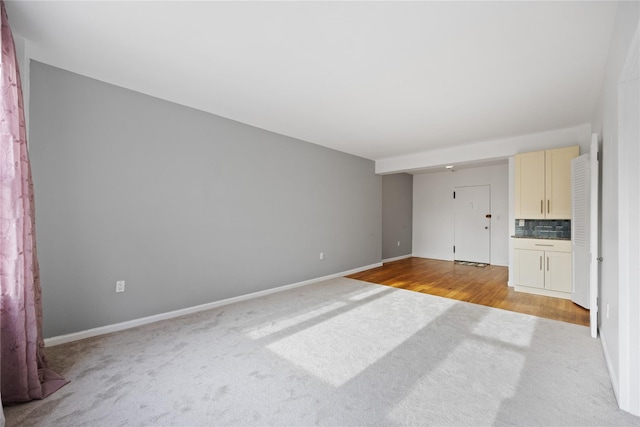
(557, 275)
(543, 266)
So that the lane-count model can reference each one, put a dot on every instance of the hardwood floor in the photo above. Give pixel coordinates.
(479, 285)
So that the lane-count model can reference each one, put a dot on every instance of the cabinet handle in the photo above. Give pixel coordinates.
(540, 262)
(540, 244)
(547, 263)
(548, 206)
(541, 206)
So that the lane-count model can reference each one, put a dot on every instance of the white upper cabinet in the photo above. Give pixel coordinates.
(530, 188)
(543, 183)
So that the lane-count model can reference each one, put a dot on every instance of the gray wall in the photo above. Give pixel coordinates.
(187, 207)
(397, 214)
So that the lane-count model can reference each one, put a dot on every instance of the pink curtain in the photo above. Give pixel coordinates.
(24, 375)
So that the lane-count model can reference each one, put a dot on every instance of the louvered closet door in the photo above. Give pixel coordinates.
(580, 194)
(585, 180)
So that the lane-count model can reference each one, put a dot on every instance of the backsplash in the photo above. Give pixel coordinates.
(544, 228)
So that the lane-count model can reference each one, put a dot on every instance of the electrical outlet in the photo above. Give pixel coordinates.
(321, 255)
(120, 286)
(607, 311)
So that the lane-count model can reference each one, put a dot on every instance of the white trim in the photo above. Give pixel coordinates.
(75, 336)
(541, 291)
(632, 59)
(607, 359)
(594, 239)
(483, 151)
(398, 258)
(628, 351)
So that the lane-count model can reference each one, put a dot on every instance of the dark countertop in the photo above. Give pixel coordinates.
(541, 238)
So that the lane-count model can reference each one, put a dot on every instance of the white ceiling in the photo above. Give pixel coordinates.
(375, 79)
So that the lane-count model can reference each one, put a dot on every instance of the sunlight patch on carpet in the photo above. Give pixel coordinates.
(368, 293)
(339, 348)
(272, 327)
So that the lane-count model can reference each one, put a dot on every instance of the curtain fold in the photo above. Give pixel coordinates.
(24, 374)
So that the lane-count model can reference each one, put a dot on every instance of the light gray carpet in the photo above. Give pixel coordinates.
(340, 352)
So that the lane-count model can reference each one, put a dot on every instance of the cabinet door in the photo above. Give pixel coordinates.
(529, 268)
(558, 182)
(557, 271)
(529, 191)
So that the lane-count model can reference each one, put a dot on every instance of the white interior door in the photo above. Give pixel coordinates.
(472, 224)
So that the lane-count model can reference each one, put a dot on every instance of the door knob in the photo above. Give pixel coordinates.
(599, 258)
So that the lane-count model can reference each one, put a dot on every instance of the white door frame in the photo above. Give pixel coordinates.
(628, 235)
(594, 242)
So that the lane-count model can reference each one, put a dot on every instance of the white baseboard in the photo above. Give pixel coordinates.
(398, 258)
(75, 336)
(607, 359)
(543, 292)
